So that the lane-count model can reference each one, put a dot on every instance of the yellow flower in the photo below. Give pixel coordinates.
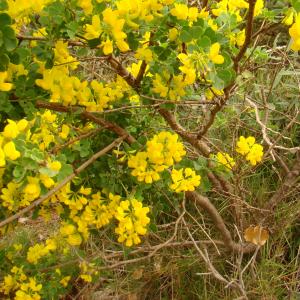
(225, 159)
(74, 239)
(46, 180)
(253, 152)
(289, 17)
(10, 151)
(86, 5)
(132, 217)
(55, 165)
(65, 130)
(64, 281)
(244, 144)
(11, 130)
(86, 277)
(4, 86)
(94, 30)
(184, 180)
(294, 32)
(32, 190)
(22, 124)
(180, 11)
(107, 46)
(122, 45)
(173, 33)
(144, 54)
(214, 55)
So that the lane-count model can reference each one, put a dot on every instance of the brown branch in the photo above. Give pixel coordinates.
(215, 110)
(121, 71)
(219, 223)
(40, 38)
(290, 180)
(88, 116)
(56, 149)
(141, 73)
(63, 182)
(248, 34)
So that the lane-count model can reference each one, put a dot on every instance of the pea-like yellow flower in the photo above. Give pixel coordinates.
(214, 55)
(247, 147)
(132, 217)
(11, 130)
(294, 32)
(107, 46)
(184, 180)
(10, 151)
(226, 160)
(93, 31)
(4, 86)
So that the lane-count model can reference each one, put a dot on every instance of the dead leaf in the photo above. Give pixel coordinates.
(138, 274)
(256, 235)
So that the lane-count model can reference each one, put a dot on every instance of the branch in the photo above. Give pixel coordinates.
(89, 116)
(62, 183)
(248, 34)
(219, 223)
(40, 38)
(121, 71)
(290, 180)
(141, 73)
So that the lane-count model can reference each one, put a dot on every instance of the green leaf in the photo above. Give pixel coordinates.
(23, 53)
(132, 41)
(9, 38)
(10, 44)
(4, 61)
(196, 32)
(8, 32)
(48, 172)
(296, 5)
(14, 58)
(5, 19)
(19, 172)
(204, 42)
(225, 75)
(3, 5)
(65, 171)
(94, 42)
(185, 36)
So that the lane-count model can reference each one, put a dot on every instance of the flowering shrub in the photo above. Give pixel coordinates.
(90, 96)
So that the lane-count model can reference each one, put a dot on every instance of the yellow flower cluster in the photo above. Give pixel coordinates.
(112, 26)
(183, 12)
(184, 180)
(162, 151)
(49, 132)
(7, 146)
(247, 147)
(86, 211)
(169, 86)
(235, 6)
(25, 287)
(20, 11)
(87, 271)
(132, 217)
(62, 58)
(224, 159)
(70, 233)
(69, 90)
(38, 251)
(140, 10)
